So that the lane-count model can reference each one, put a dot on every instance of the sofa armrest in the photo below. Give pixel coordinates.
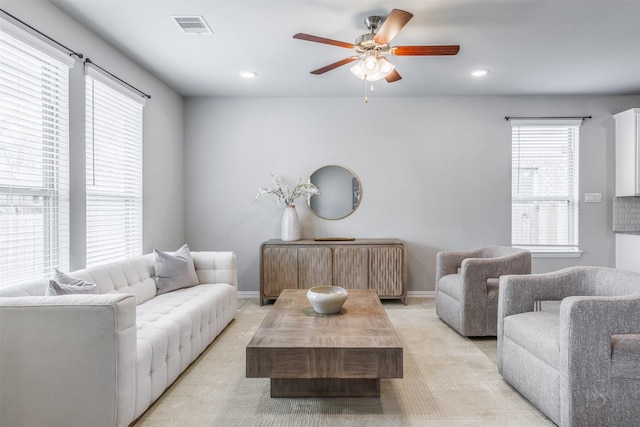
(67, 360)
(587, 329)
(216, 267)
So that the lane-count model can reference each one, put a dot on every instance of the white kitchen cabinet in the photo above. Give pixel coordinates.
(628, 152)
(628, 252)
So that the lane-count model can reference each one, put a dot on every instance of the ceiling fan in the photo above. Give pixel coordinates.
(372, 47)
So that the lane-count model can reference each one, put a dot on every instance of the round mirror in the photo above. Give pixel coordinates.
(340, 192)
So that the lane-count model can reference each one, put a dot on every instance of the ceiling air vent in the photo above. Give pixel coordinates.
(192, 24)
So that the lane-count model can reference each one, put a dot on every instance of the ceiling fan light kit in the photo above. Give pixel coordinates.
(372, 67)
(372, 48)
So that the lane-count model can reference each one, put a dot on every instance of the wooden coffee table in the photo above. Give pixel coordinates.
(311, 355)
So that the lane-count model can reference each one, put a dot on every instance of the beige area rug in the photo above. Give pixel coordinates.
(448, 380)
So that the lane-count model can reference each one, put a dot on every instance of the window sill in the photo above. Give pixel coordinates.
(542, 252)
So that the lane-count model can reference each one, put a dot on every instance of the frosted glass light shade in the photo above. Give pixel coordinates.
(372, 67)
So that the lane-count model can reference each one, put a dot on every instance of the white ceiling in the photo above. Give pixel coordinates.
(530, 47)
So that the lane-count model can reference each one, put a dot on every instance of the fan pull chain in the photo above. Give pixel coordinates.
(366, 99)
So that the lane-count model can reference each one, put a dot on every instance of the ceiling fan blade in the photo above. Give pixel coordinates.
(392, 26)
(317, 39)
(334, 65)
(425, 50)
(393, 76)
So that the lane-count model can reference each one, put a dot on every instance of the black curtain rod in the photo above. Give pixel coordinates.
(547, 118)
(73, 52)
(88, 61)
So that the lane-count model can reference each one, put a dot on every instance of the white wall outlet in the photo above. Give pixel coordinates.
(592, 197)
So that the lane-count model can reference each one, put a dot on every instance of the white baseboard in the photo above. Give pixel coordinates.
(415, 294)
(248, 294)
(422, 294)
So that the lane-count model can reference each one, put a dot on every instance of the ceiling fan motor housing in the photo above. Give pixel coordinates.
(365, 42)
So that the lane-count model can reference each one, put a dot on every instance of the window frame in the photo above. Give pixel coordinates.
(40, 138)
(571, 249)
(127, 135)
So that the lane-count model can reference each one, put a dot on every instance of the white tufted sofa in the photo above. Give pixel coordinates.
(102, 360)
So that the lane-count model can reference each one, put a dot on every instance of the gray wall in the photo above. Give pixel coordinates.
(435, 172)
(163, 149)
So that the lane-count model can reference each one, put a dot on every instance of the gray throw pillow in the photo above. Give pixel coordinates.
(174, 271)
(65, 284)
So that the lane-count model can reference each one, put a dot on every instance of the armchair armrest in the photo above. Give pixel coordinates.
(67, 360)
(476, 271)
(587, 329)
(448, 262)
(487, 268)
(518, 294)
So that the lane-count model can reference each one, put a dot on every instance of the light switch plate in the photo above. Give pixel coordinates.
(592, 197)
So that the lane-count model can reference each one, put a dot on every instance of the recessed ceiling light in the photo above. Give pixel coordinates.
(248, 74)
(479, 73)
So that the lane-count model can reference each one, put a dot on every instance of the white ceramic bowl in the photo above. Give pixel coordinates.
(327, 299)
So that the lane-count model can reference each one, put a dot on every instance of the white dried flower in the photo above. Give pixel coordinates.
(284, 194)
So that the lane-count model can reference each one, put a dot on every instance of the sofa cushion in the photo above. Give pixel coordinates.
(174, 271)
(133, 276)
(538, 332)
(173, 329)
(64, 284)
(36, 287)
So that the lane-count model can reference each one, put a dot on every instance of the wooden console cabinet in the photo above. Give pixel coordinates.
(378, 264)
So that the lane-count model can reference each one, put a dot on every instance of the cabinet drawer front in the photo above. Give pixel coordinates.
(351, 267)
(315, 267)
(279, 269)
(386, 268)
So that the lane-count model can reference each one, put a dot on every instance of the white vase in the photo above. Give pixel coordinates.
(290, 224)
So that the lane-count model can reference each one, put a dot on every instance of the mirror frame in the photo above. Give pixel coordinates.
(353, 174)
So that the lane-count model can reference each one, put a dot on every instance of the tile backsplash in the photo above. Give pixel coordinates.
(626, 214)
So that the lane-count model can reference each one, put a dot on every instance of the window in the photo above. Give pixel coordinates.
(113, 169)
(544, 195)
(34, 152)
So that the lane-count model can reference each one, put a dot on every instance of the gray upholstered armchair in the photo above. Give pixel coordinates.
(467, 286)
(580, 365)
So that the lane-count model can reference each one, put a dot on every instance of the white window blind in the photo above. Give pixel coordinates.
(34, 153)
(544, 197)
(113, 170)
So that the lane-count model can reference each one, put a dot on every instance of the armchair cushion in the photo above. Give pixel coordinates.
(451, 285)
(537, 331)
